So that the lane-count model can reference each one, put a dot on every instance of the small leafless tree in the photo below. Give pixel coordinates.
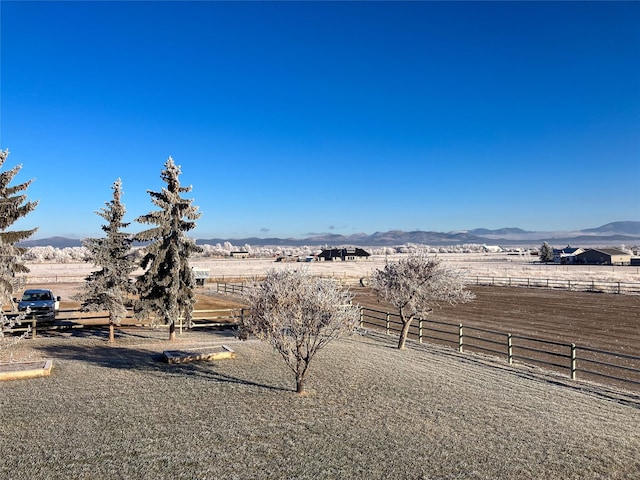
(298, 315)
(417, 284)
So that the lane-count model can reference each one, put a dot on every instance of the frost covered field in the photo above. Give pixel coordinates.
(473, 264)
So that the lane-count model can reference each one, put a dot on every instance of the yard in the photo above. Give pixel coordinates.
(118, 411)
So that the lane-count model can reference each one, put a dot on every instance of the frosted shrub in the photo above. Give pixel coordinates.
(298, 315)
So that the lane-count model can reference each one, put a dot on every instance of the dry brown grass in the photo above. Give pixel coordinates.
(372, 412)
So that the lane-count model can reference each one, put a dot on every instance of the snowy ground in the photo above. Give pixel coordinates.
(498, 265)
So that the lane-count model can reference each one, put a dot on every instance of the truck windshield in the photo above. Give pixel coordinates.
(36, 296)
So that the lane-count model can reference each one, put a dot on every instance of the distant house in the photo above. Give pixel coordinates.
(344, 254)
(603, 256)
(239, 254)
(566, 255)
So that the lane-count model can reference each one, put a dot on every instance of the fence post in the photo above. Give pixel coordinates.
(618, 288)
(419, 330)
(573, 361)
(460, 338)
(361, 317)
(387, 322)
(33, 327)
(509, 349)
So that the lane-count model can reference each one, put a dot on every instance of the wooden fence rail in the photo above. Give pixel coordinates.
(567, 358)
(73, 318)
(628, 288)
(229, 288)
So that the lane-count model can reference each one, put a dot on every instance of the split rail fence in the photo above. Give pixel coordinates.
(566, 358)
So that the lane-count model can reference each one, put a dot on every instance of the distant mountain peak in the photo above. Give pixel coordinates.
(618, 228)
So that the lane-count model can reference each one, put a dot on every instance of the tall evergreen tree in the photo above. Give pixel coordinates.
(546, 253)
(167, 286)
(13, 205)
(108, 288)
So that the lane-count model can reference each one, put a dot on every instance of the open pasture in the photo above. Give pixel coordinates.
(601, 321)
(472, 264)
(606, 322)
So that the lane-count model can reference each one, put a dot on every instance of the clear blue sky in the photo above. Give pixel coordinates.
(296, 118)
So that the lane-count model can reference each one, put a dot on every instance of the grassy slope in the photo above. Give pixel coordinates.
(372, 412)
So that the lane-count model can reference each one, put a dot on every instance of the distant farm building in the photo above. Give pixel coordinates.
(566, 255)
(603, 256)
(239, 254)
(344, 254)
(288, 258)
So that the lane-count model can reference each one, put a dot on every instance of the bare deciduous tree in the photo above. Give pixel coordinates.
(298, 315)
(417, 284)
(167, 286)
(108, 288)
(13, 205)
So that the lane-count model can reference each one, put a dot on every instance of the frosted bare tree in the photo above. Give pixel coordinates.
(109, 287)
(167, 286)
(417, 284)
(13, 205)
(298, 315)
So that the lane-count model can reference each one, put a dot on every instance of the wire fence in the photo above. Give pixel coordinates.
(566, 358)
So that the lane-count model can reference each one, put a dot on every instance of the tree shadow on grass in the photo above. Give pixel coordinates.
(122, 357)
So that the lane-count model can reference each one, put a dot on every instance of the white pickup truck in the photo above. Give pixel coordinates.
(40, 302)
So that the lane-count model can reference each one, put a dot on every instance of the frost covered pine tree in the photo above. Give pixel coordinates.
(546, 253)
(417, 284)
(13, 205)
(298, 315)
(167, 286)
(109, 287)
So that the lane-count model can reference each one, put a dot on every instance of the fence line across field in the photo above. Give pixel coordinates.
(221, 317)
(590, 285)
(628, 288)
(567, 358)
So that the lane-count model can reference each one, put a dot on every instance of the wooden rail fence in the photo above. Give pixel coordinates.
(566, 358)
(622, 288)
(72, 319)
(628, 288)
